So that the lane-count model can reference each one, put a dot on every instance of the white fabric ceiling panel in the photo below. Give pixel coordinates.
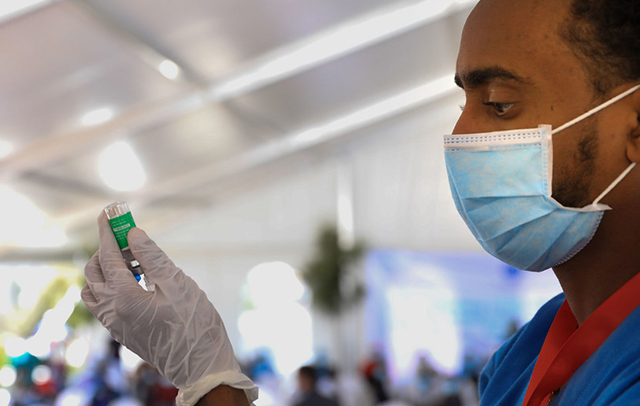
(236, 167)
(362, 77)
(401, 195)
(200, 138)
(215, 37)
(58, 65)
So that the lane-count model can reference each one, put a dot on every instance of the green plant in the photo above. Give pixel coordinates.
(329, 273)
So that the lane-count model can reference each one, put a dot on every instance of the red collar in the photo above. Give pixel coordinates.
(567, 346)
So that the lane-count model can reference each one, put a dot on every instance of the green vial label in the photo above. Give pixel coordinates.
(120, 226)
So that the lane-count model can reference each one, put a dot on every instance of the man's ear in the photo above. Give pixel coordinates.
(633, 144)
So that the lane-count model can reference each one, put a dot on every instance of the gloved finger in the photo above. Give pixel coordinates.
(92, 271)
(154, 262)
(88, 298)
(92, 275)
(110, 258)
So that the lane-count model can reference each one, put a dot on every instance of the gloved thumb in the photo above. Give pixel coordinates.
(153, 261)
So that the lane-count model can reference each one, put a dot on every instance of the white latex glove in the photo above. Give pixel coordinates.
(174, 327)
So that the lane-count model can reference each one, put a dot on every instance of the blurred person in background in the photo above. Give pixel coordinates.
(374, 371)
(152, 389)
(425, 380)
(308, 394)
(328, 382)
(531, 204)
(110, 381)
(261, 366)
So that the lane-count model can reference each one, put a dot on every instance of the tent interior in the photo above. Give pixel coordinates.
(237, 130)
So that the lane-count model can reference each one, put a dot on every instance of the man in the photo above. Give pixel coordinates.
(525, 63)
(531, 199)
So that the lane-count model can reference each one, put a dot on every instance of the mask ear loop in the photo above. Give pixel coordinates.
(614, 183)
(596, 109)
(590, 113)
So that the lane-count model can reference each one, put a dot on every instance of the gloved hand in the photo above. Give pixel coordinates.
(173, 327)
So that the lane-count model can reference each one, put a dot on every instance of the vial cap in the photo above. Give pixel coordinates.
(116, 209)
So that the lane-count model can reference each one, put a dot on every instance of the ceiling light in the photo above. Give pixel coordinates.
(98, 116)
(169, 69)
(120, 168)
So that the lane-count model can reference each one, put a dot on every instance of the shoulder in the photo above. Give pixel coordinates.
(507, 373)
(531, 336)
(611, 375)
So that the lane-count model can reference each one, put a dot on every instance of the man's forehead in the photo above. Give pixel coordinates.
(511, 40)
(531, 8)
(516, 19)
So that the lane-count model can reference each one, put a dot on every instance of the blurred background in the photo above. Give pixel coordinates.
(286, 154)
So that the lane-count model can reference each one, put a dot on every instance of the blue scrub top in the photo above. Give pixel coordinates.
(610, 377)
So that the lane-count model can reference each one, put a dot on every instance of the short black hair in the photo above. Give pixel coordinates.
(605, 36)
(309, 372)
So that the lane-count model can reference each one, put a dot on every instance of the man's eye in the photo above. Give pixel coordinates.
(500, 108)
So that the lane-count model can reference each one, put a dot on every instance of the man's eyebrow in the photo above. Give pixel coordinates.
(479, 77)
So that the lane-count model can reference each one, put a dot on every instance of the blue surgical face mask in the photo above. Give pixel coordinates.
(501, 185)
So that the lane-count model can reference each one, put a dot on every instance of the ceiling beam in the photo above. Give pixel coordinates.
(55, 148)
(277, 149)
(144, 47)
(76, 223)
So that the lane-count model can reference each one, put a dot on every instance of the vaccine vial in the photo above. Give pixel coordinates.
(121, 222)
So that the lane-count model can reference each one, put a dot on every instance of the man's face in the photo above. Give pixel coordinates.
(305, 383)
(517, 72)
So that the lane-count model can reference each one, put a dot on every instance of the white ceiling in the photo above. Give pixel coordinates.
(263, 84)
